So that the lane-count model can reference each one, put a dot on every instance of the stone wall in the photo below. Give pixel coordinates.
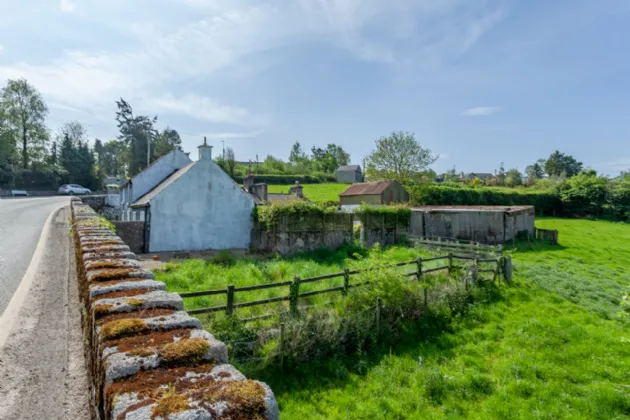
(97, 202)
(132, 234)
(299, 234)
(147, 357)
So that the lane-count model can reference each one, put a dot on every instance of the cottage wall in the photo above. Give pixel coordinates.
(201, 210)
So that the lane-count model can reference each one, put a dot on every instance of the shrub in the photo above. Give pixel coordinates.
(548, 202)
(619, 191)
(584, 193)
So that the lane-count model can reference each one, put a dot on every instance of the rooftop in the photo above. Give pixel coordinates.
(367, 188)
(455, 209)
(145, 199)
(349, 168)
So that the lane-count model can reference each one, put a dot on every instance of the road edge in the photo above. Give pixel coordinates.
(11, 312)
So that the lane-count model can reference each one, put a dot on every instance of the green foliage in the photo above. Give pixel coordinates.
(401, 211)
(270, 215)
(549, 346)
(23, 121)
(619, 191)
(288, 179)
(138, 132)
(584, 193)
(513, 178)
(459, 195)
(398, 156)
(166, 141)
(559, 164)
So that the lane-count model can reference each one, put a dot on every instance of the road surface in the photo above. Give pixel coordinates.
(21, 222)
(42, 367)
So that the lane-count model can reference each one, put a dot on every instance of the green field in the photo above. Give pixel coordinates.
(315, 192)
(552, 345)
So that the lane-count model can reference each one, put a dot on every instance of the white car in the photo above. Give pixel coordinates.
(73, 189)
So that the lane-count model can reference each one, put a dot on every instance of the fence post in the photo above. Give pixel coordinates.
(450, 263)
(378, 317)
(475, 272)
(294, 292)
(507, 269)
(230, 300)
(346, 282)
(282, 345)
(419, 270)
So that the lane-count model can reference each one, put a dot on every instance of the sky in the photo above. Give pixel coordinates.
(478, 82)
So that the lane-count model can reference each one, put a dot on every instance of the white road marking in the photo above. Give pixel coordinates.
(7, 319)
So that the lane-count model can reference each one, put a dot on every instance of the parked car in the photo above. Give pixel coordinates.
(73, 189)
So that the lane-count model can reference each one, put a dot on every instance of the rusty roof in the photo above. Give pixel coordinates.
(507, 209)
(367, 188)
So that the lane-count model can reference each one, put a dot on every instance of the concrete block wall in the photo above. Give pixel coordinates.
(148, 359)
(133, 234)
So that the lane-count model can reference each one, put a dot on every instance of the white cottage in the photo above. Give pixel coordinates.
(148, 179)
(197, 207)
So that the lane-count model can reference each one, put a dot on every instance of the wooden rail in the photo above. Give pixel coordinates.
(294, 285)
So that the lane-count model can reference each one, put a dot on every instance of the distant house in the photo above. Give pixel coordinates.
(195, 207)
(379, 192)
(349, 174)
(262, 197)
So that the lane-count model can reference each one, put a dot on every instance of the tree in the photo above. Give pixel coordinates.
(513, 178)
(451, 175)
(398, 156)
(534, 172)
(619, 190)
(76, 156)
(230, 161)
(138, 132)
(559, 164)
(167, 141)
(585, 193)
(501, 175)
(297, 154)
(24, 119)
(113, 158)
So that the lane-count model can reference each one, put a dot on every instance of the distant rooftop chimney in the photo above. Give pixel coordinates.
(205, 151)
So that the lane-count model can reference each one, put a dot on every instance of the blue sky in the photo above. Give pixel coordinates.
(479, 82)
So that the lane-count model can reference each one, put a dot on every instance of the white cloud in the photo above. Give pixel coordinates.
(480, 111)
(68, 6)
(1, 48)
(172, 50)
(206, 109)
(229, 135)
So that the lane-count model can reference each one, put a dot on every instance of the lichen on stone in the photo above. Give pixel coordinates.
(185, 352)
(169, 404)
(123, 327)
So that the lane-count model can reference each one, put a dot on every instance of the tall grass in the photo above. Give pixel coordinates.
(319, 193)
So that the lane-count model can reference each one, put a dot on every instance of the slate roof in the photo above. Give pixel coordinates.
(351, 168)
(367, 188)
(145, 199)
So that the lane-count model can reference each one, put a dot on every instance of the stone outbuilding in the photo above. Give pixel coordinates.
(197, 207)
(377, 193)
(349, 174)
(486, 224)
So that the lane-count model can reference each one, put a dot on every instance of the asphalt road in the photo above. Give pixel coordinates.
(21, 223)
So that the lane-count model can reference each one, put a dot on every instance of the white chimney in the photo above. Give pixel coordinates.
(205, 151)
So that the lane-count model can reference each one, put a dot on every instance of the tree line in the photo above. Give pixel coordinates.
(31, 157)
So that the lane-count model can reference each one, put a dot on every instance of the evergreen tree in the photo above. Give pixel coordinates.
(138, 133)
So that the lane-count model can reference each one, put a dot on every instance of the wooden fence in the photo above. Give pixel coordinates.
(294, 285)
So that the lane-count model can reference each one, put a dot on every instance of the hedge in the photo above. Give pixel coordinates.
(288, 179)
(546, 202)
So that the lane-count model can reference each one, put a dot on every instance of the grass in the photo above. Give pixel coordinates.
(551, 345)
(318, 193)
(195, 275)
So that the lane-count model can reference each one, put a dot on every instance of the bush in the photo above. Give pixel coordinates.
(584, 193)
(548, 202)
(619, 191)
(288, 179)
